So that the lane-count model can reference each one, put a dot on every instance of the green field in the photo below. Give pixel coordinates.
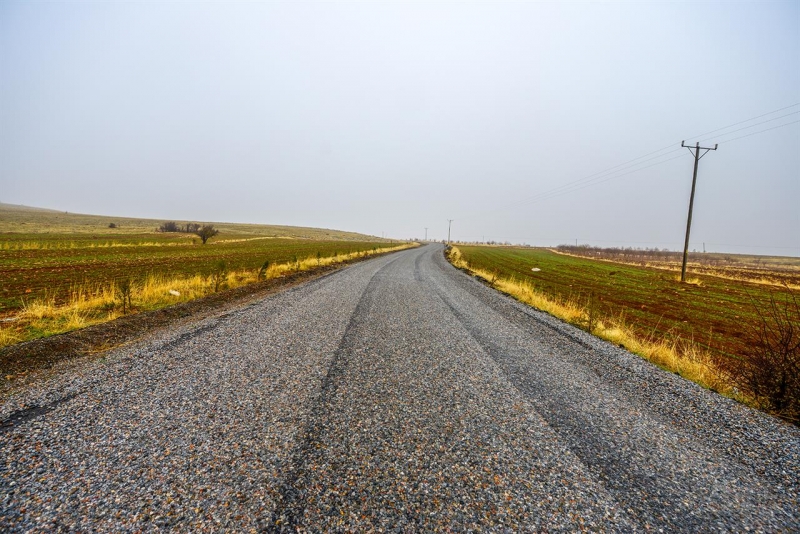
(718, 314)
(44, 253)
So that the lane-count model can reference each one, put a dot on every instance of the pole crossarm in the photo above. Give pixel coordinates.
(697, 147)
(684, 145)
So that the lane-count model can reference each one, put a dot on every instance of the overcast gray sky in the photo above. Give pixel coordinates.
(377, 117)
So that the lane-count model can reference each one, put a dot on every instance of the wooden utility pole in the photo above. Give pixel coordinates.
(449, 222)
(697, 148)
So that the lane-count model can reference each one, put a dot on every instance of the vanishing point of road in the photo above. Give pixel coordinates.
(398, 394)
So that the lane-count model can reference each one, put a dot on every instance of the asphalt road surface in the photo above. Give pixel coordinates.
(398, 394)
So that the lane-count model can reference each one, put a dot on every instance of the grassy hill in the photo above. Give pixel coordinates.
(25, 220)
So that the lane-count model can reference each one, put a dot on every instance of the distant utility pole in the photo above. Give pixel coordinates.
(449, 222)
(697, 148)
(426, 233)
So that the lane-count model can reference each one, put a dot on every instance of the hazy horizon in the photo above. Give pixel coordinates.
(389, 118)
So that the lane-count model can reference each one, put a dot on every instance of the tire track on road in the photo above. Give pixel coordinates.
(293, 490)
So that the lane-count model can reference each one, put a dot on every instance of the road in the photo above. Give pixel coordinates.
(396, 394)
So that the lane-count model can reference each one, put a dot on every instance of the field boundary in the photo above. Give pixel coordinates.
(677, 269)
(22, 363)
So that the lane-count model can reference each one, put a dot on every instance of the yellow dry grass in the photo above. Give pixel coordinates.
(685, 359)
(691, 280)
(9, 337)
(90, 305)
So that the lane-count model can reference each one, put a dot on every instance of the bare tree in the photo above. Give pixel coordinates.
(206, 232)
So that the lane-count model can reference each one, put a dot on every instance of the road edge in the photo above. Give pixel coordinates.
(22, 364)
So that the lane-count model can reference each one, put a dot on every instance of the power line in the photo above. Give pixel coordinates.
(569, 188)
(744, 121)
(548, 196)
(561, 191)
(589, 178)
(754, 125)
(605, 175)
(760, 131)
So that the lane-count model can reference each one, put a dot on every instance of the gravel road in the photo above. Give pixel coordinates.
(398, 394)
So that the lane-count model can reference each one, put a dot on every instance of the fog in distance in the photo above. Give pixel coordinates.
(389, 118)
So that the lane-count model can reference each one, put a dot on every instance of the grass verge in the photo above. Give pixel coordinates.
(677, 356)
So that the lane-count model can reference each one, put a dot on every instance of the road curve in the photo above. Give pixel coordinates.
(397, 394)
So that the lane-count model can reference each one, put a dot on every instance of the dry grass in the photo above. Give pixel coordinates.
(691, 280)
(685, 359)
(92, 305)
(8, 337)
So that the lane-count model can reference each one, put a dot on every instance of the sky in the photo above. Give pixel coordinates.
(387, 118)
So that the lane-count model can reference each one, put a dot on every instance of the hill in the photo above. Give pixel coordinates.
(17, 219)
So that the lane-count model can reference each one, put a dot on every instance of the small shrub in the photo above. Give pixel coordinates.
(770, 369)
(220, 275)
(262, 272)
(592, 315)
(112, 225)
(124, 290)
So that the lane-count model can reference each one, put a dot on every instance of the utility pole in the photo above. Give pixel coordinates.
(426, 233)
(449, 222)
(697, 156)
